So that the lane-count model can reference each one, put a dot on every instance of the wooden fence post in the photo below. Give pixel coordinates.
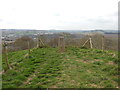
(40, 42)
(6, 55)
(90, 41)
(61, 44)
(91, 46)
(85, 43)
(37, 43)
(28, 48)
(103, 42)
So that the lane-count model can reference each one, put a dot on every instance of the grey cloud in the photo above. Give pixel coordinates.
(1, 20)
(99, 20)
(56, 14)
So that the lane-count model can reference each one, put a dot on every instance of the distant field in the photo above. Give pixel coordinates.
(76, 68)
(113, 41)
(112, 35)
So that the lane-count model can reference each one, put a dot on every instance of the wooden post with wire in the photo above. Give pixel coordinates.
(6, 55)
(89, 40)
(61, 44)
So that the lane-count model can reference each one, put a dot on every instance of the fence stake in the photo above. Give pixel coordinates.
(103, 42)
(91, 46)
(85, 43)
(28, 48)
(61, 44)
(6, 55)
(40, 42)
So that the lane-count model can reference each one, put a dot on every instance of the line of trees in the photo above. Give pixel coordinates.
(110, 43)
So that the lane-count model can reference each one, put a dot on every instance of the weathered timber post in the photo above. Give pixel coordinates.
(89, 40)
(6, 55)
(40, 42)
(85, 43)
(91, 46)
(28, 48)
(103, 42)
(37, 43)
(61, 44)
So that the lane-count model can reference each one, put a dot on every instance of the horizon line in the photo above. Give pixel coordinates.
(60, 29)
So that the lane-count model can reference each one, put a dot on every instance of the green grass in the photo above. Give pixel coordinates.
(76, 68)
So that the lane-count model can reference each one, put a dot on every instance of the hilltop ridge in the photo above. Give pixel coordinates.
(75, 68)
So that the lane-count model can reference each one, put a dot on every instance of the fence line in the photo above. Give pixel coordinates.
(61, 46)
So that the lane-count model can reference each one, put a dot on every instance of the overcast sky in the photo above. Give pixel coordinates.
(59, 14)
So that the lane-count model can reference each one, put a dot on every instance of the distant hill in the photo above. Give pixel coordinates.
(57, 31)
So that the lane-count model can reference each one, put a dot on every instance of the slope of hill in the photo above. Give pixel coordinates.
(76, 68)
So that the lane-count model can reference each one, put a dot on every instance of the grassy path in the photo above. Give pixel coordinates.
(42, 66)
(47, 70)
(76, 68)
(84, 69)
